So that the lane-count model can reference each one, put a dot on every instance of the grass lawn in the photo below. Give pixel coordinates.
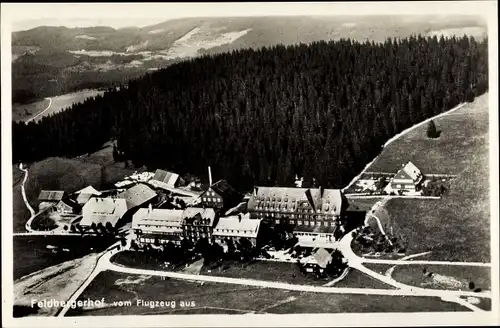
(140, 260)
(462, 132)
(361, 204)
(22, 112)
(266, 270)
(358, 279)
(456, 227)
(484, 303)
(224, 298)
(413, 275)
(31, 253)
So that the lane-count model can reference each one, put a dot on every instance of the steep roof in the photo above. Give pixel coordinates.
(103, 210)
(157, 220)
(224, 189)
(408, 172)
(51, 195)
(237, 226)
(89, 190)
(83, 198)
(137, 195)
(322, 257)
(296, 199)
(200, 213)
(162, 176)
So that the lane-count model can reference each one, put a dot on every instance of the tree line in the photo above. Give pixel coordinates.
(260, 117)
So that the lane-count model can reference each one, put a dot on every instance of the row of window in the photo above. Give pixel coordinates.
(161, 241)
(293, 209)
(278, 199)
(211, 199)
(293, 216)
(327, 236)
(233, 231)
(310, 223)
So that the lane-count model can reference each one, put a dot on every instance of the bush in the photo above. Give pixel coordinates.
(432, 131)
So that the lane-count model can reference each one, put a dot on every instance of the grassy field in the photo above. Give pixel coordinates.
(223, 298)
(31, 253)
(358, 279)
(455, 228)
(266, 270)
(462, 133)
(413, 275)
(22, 112)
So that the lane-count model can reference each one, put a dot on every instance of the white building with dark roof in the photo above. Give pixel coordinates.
(103, 210)
(158, 225)
(407, 178)
(236, 227)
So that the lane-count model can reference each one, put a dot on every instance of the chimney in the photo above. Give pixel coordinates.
(255, 191)
(239, 217)
(150, 208)
(209, 176)
(321, 189)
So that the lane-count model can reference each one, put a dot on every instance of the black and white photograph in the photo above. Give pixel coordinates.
(250, 164)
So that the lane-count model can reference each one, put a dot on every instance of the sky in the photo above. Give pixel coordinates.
(23, 16)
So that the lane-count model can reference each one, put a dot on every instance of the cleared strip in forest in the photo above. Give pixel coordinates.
(402, 133)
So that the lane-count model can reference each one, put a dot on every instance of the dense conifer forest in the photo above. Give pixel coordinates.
(262, 116)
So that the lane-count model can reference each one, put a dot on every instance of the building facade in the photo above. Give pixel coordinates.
(198, 223)
(103, 210)
(233, 228)
(407, 178)
(297, 206)
(220, 196)
(158, 226)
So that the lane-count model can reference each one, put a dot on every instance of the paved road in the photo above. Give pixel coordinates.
(43, 111)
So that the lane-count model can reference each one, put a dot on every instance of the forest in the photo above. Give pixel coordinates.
(259, 117)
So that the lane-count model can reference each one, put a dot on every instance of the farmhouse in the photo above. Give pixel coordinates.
(50, 197)
(157, 225)
(407, 178)
(198, 223)
(103, 210)
(138, 195)
(317, 262)
(297, 206)
(236, 227)
(220, 196)
(164, 179)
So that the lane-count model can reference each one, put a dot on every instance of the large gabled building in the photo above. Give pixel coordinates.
(103, 210)
(236, 227)
(157, 226)
(49, 198)
(297, 206)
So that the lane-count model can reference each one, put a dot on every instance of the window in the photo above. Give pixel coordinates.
(292, 221)
(299, 222)
(277, 221)
(204, 199)
(318, 223)
(286, 200)
(218, 200)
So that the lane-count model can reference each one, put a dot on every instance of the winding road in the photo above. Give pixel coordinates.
(43, 111)
(23, 191)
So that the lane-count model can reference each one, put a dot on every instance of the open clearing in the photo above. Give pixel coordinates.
(22, 112)
(64, 101)
(222, 298)
(456, 227)
(358, 279)
(443, 276)
(463, 132)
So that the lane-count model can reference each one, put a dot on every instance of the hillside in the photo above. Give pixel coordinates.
(48, 61)
(262, 116)
(456, 227)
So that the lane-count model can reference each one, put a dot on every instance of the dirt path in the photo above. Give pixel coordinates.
(43, 111)
(23, 191)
